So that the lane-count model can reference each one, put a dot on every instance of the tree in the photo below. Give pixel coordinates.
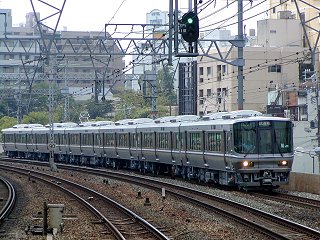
(131, 105)
(99, 109)
(7, 122)
(166, 92)
(39, 117)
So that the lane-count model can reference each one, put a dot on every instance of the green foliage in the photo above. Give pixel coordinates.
(7, 122)
(39, 117)
(99, 109)
(166, 92)
(131, 105)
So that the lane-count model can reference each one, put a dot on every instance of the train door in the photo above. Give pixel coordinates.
(156, 139)
(116, 144)
(172, 145)
(139, 146)
(203, 147)
(134, 145)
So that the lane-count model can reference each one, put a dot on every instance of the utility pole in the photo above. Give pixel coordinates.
(240, 55)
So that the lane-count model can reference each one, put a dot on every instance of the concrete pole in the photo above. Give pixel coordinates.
(240, 55)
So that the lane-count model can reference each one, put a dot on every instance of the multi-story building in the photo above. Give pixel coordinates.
(271, 73)
(157, 28)
(82, 59)
(309, 14)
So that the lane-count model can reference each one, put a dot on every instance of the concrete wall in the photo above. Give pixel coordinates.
(304, 182)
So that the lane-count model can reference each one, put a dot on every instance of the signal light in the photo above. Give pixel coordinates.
(189, 27)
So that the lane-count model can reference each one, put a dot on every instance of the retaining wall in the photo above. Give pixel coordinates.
(304, 182)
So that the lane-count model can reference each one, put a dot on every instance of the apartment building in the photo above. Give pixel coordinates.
(82, 59)
(271, 73)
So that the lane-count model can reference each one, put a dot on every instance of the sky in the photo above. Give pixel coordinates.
(92, 15)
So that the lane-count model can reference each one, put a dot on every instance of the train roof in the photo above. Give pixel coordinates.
(221, 118)
(232, 114)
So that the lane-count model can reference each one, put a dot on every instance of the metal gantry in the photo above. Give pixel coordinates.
(47, 40)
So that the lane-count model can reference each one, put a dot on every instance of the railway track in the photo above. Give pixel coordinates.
(121, 222)
(7, 199)
(290, 199)
(267, 224)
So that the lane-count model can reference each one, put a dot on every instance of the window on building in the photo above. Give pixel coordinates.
(8, 69)
(274, 68)
(224, 69)
(201, 70)
(201, 96)
(201, 93)
(219, 73)
(221, 70)
(209, 93)
(209, 72)
(274, 10)
(218, 95)
(201, 79)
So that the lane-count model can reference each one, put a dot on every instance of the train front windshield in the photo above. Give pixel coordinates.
(263, 137)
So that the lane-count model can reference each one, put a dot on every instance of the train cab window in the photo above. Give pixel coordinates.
(214, 141)
(148, 141)
(282, 137)
(163, 140)
(265, 141)
(245, 137)
(194, 141)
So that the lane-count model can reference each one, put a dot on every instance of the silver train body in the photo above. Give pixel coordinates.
(253, 152)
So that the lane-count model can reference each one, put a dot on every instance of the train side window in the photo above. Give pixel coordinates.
(41, 139)
(6, 138)
(109, 139)
(123, 140)
(74, 139)
(86, 139)
(148, 140)
(163, 140)
(214, 141)
(23, 138)
(194, 141)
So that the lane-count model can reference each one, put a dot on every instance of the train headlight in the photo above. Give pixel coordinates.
(247, 164)
(283, 163)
